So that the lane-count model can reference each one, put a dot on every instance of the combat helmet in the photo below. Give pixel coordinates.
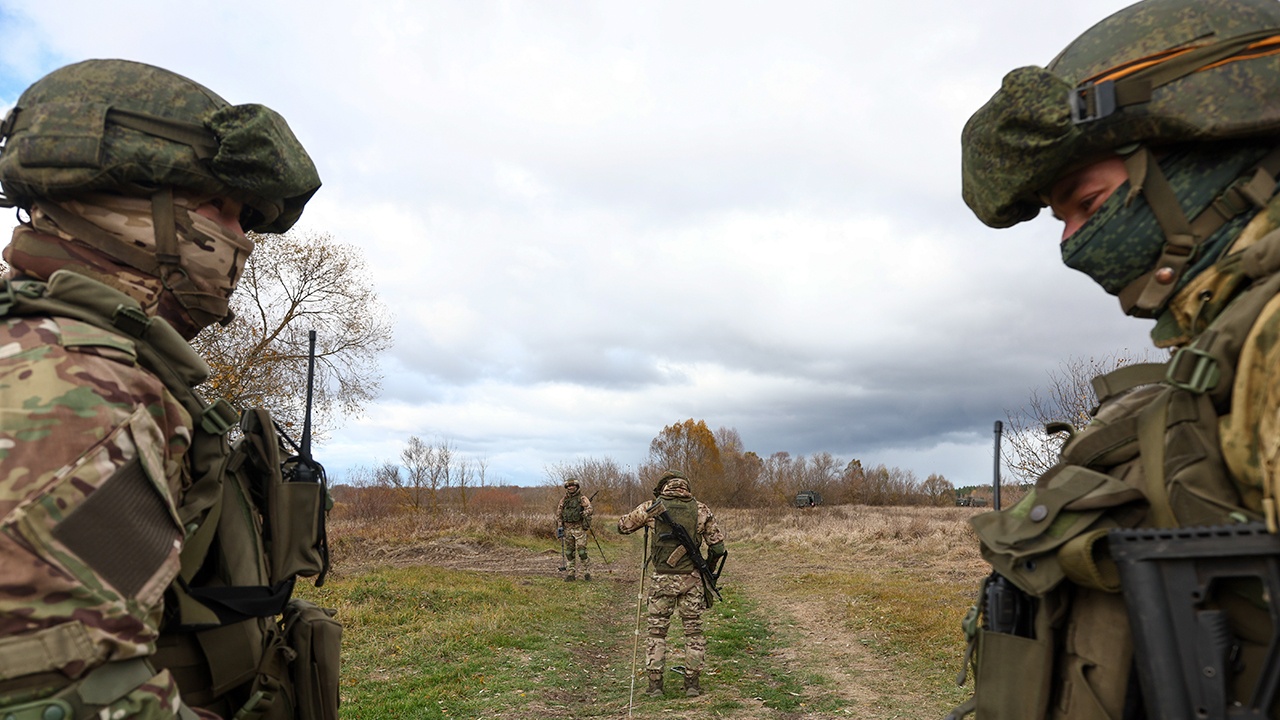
(1159, 74)
(131, 128)
(666, 478)
(571, 482)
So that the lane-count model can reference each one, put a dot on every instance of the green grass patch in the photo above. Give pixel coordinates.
(745, 650)
(424, 642)
(908, 618)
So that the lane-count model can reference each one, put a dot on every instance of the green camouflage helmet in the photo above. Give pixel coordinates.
(667, 477)
(1159, 72)
(125, 127)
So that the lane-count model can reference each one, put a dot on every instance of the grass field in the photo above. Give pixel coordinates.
(830, 612)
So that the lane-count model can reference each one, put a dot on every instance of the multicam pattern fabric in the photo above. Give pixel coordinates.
(708, 531)
(668, 594)
(87, 436)
(587, 511)
(211, 256)
(575, 550)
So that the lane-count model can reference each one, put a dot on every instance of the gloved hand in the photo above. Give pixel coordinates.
(654, 510)
(715, 551)
(560, 532)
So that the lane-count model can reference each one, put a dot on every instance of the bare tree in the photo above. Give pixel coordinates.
(1067, 396)
(466, 474)
(938, 490)
(294, 283)
(618, 487)
(416, 457)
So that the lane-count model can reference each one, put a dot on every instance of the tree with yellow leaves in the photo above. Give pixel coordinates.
(293, 283)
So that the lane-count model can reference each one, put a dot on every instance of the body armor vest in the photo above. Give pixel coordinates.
(669, 556)
(572, 510)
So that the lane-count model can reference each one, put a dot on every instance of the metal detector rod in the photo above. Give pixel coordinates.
(995, 482)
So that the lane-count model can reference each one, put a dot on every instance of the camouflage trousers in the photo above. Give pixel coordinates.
(575, 550)
(669, 593)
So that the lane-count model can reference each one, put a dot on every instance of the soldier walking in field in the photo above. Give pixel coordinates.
(573, 520)
(1154, 138)
(137, 187)
(677, 584)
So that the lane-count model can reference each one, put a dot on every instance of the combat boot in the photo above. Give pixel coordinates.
(586, 576)
(655, 684)
(569, 578)
(691, 688)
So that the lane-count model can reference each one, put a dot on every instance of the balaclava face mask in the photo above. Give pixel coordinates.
(211, 257)
(1123, 239)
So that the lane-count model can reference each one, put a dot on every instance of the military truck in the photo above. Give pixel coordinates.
(808, 498)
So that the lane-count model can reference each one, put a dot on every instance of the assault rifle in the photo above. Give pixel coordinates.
(709, 575)
(302, 467)
(1182, 587)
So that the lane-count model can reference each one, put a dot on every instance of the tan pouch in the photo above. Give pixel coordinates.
(676, 556)
(316, 636)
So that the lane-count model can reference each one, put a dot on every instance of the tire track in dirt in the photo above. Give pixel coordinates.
(817, 638)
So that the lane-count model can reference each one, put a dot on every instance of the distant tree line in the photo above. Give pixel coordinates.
(725, 474)
(432, 475)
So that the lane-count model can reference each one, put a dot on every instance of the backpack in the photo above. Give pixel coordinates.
(251, 533)
(1050, 625)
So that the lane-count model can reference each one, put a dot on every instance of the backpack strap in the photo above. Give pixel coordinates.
(1125, 378)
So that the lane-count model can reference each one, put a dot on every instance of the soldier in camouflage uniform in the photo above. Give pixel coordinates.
(1155, 139)
(138, 185)
(573, 515)
(676, 584)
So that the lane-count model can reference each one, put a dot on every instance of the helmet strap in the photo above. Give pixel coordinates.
(205, 308)
(95, 237)
(1146, 295)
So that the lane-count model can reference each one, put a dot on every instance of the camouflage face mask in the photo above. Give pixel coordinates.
(1123, 239)
(212, 258)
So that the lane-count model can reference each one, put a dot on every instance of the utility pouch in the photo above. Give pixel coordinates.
(1011, 644)
(676, 556)
(316, 636)
(1013, 673)
(1022, 543)
(293, 511)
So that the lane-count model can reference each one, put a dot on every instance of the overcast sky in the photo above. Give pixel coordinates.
(594, 219)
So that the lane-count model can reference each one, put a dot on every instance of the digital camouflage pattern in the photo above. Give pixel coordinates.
(670, 592)
(127, 127)
(90, 473)
(1123, 240)
(1025, 137)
